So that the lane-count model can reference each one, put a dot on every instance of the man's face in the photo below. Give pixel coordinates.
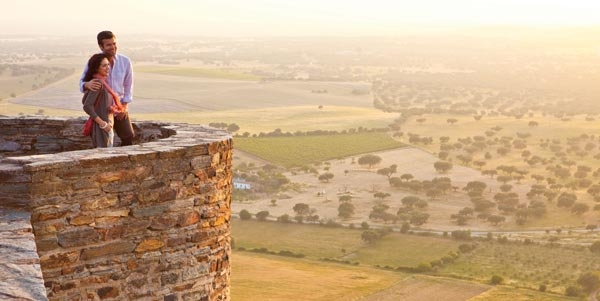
(109, 46)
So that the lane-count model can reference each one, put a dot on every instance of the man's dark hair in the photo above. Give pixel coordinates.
(103, 35)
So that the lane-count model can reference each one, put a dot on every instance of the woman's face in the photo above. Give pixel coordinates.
(104, 67)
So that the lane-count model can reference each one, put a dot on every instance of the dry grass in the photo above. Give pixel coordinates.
(262, 277)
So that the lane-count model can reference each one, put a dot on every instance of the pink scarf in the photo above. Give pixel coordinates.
(117, 107)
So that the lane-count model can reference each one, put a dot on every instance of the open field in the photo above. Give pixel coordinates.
(254, 106)
(262, 277)
(507, 293)
(217, 89)
(361, 183)
(342, 244)
(158, 93)
(418, 288)
(520, 265)
(305, 150)
(198, 72)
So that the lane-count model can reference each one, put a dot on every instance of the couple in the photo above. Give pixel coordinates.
(107, 83)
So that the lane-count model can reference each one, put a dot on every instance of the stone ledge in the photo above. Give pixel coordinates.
(93, 211)
(20, 272)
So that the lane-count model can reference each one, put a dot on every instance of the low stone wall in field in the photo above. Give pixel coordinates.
(143, 222)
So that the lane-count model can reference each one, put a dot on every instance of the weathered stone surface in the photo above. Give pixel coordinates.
(78, 237)
(115, 248)
(20, 272)
(149, 245)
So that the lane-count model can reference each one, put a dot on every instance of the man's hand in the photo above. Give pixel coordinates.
(123, 114)
(93, 85)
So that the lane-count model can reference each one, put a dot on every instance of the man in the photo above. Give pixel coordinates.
(120, 80)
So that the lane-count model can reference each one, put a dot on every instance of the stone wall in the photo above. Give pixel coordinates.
(142, 222)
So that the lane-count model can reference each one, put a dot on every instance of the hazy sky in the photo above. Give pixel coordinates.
(282, 17)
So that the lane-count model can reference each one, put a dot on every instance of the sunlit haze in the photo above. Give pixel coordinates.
(284, 17)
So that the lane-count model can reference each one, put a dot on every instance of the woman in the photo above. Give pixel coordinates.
(101, 105)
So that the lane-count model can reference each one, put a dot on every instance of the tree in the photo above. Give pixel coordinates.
(369, 160)
(475, 185)
(386, 171)
(496, 219)
(580, 208)
(345, 210)
(325, 177)
(284, 218)
(245, 215)
(452, 121)
(262, 215)
(573, 291)
(589, 282)
(301, 209)
(369, 236)
(442, 166)
(407, 177)
(232, 128)
(566, 199)
(418, 218)
(595, 247)
(496, 280)
(410, 200)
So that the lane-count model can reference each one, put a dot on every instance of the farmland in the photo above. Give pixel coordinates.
(530, 137)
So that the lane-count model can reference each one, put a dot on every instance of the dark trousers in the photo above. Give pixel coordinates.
(124, 130)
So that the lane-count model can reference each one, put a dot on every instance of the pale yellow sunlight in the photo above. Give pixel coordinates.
(280, 18)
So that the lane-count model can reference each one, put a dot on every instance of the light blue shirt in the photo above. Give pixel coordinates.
(120, 78)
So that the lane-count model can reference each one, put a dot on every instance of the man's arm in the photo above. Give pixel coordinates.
(93, 85)
(128, 84)
(81, 83)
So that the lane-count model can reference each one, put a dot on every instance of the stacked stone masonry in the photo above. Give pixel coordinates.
(142, 222)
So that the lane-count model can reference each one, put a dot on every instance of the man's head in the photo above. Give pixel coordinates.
(107, 43)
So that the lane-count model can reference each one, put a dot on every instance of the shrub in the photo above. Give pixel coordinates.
(573, 291)
(466, 248)
(245, 215)
(496, 280)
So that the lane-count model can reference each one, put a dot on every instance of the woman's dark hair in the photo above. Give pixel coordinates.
(93, 66)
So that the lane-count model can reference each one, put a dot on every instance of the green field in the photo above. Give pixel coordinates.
(302, 150)
(522, 266)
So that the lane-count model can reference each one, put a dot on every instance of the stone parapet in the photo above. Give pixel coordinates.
(143, 222)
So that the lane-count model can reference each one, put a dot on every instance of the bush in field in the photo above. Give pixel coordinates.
(262, 215)
(595, 247)
(589, 282)
(245, 215)
(573, 291)
(461, 234)
(496, 280)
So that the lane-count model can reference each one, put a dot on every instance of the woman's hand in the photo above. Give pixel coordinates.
(106, 127)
